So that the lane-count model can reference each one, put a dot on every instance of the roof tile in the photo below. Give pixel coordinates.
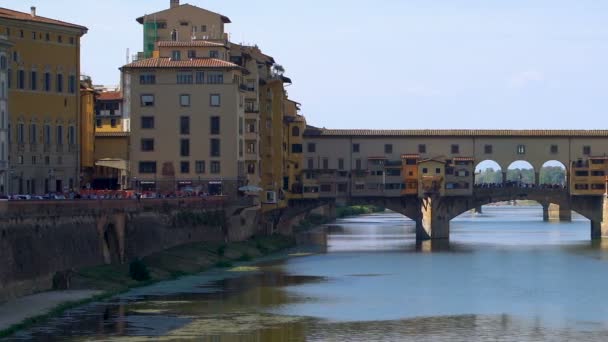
(15, 15)
(165, 62)
(323, 132)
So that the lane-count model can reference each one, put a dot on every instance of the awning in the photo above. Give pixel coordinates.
(113, 163)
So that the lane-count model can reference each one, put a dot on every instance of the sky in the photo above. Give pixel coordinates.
(398, 64)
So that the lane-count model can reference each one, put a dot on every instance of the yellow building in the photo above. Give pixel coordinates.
(112, 134)
(87, 130)
(293, 133)
(43, 82)
(4, 108)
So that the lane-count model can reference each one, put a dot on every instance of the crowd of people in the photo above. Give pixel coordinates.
(519, 185)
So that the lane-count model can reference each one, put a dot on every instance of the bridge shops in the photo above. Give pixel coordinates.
(430, 175)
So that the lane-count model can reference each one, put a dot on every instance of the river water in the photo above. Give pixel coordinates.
(505, 276)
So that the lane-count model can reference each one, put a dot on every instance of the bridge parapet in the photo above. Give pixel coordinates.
(11, 210)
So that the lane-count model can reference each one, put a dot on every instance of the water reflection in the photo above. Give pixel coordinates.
(505, 276)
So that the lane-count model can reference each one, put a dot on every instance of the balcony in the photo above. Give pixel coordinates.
(108, 112)
(251, 107)
(251, 135)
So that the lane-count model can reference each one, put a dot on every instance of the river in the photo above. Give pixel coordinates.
(505, 276)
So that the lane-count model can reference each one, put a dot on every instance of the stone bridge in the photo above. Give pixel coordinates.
(433, 213)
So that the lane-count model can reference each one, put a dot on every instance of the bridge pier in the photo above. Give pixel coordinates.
(433, 221)
(599, 225)
(557, 212)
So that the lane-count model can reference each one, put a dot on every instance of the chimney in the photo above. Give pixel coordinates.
(33, 11)
(174, 3)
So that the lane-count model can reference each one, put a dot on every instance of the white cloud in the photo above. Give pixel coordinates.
(524, 78)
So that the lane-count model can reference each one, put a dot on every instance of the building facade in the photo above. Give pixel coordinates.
(5, 45)
(112, 138)
(43, 80)
(87, 131)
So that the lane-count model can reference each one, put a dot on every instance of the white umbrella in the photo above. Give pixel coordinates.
(250, 188)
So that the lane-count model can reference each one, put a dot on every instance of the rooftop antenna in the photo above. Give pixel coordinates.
(127, 56)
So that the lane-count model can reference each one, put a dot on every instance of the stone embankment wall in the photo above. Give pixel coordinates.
(38, 240)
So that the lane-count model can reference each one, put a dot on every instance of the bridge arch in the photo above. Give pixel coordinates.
(521, 173)
(553, 174)
(488, 172)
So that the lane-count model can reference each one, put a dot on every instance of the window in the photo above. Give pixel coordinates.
(341, 164)
(184, 100)
(325, 163)
(358, 164)
(72, 135)
(9, 77)
(199, 166)
(438, 171)
(47, 81)
(554, 149)
(98, 123)
(147, 122)
(147, 100)
(215, 147)
(113, 123)
(251, 147)
(587, 150)
(20, 133)
(184, 167)
(191, 53)
(147, 145)
(203, 28)
(59, 139)
(46, 134)
(356, 148)
(59, 39)
(184, 78)
(21, 79)
(312, 147)
(33, 133)
(296, 148)
(455, 149)
(388, 148)
(184, 125)
(147, 79)
(215, 77)
(422, 148)
(215, 125)
(215, 167)
(295, 131)
(47, 37)
(214, 54)
(311, 163)
(176, 55)
(425, 170)
(200, 77)
(72, 40)
(487, 149)
(214, 100)
(184, 147)
(147, 167)
(3, 62)
(59, 86)
(72, 84)
(521, 149)
(33, 35)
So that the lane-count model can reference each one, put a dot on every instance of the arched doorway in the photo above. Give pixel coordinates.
(521, 174)
(553, 175)
(488, 173)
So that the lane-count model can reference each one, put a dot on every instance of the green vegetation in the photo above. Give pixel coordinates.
(358, 210)
(167, 265)
(548, 175)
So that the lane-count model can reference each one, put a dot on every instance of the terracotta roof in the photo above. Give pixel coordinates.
(165, 62)
(110, 95)
(224, 18)
(193, 43)
(15, 15)
(322, 132)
